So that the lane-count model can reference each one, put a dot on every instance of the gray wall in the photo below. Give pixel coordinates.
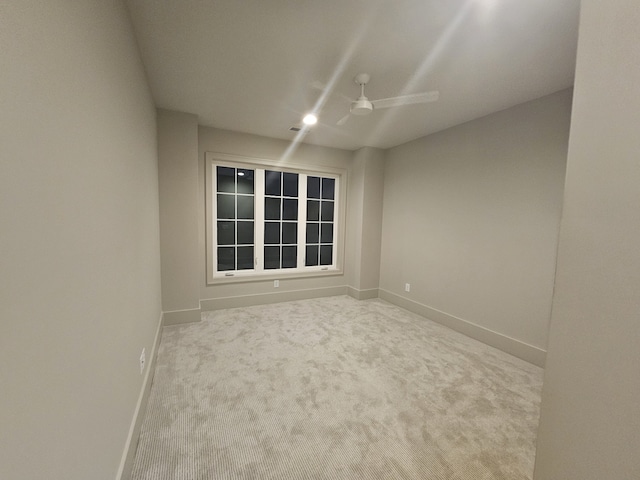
(182, 216)
(471, 218)
(79, 247)
(590, 421)
(366, 190)
(178, 184)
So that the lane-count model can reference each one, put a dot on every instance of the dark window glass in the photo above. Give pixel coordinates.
(313, 233)
(313, 187)
(245, 207)
(235, 219)
(226, 206)
(289, 257)
(226, 233)
(272, 183)
(290, 209)
(327, 233)
(271, 257)
(245, 234)
(245, 181)
(245, 258)
(311, 255)
(289, 233)
(272, 209)
(313, 210)
(226, 179)
(328, 188)
(290, 184)
(327, 212)
(326, 255)
(226, 258)
(272, 232)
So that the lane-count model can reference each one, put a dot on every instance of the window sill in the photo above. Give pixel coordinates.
(265, 277)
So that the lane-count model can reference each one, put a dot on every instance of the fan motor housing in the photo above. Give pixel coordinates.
(362, 106)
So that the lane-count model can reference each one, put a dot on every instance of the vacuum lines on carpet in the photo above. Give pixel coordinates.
(335, 388)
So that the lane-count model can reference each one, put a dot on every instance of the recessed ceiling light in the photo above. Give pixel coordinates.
(310, 119)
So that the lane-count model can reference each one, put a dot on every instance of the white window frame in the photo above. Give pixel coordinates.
(213, 160)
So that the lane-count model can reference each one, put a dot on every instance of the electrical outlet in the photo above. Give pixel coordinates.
(142, 361)
(276, 283)
(407, 287)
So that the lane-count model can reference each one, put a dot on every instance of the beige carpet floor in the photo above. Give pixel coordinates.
(335, 388)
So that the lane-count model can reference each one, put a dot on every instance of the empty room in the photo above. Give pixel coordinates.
(319, 240)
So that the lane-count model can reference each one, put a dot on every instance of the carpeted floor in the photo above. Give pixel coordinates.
(335, 388)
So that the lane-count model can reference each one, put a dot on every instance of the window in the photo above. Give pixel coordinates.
(320, 213)
(235, 218)
(267, 220)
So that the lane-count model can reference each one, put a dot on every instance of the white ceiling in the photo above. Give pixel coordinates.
(250, 65)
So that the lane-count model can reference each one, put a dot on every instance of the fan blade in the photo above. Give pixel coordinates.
(343, 120)
(318, 85)
(406, 99)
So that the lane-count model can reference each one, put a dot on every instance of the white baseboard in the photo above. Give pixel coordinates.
(367, 294)
(509, 345)
(178, 317)
(126, 464)
(266, 298)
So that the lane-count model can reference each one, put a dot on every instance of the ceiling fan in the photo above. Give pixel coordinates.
(364, 106)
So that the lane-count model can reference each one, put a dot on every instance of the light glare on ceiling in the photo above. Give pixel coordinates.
(310, 119)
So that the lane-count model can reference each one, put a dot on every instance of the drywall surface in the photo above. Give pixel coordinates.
(79, 243)
(178, 183)
(590, 416)
(471, 218)
(235, 143)
(367, 187)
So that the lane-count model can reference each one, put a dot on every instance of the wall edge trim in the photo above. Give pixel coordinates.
(517, 348)
(366, 294)
(221, 303)
(131, 445)
(179, 317)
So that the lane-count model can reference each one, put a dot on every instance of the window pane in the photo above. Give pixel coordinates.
(328, 188)
(245, 234)
(271, 257)
(226, 206)
(226, 258)
(313, 233)
(327, 211)
(313, 210)
(313, 187)
(290, 185)
(226, 233)
(226, 179)
(272, 232)
(272, 182)
(290, 209)
(289, 232)
(311, 255)
(272, 209)
(289, 257)
(326, 255)
(245, 207)
(245, 181)
(245, 258)
(327, 233)
(236, 197)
